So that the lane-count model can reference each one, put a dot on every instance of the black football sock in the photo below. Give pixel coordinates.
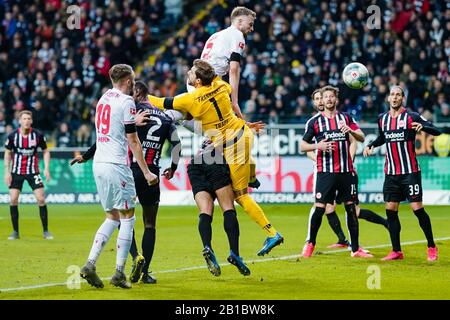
(316, 221)
(371, 216)
(14, 210)
(231, 226)
(204, 228)
(44, 217)
(425, 224)
(353, 226)
(394, 229)
(133, 249)
(335, 224)
(148, 246)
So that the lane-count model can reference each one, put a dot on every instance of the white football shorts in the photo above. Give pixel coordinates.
(115, 185)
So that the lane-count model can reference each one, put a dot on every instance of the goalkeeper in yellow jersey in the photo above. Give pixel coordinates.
(210, 104)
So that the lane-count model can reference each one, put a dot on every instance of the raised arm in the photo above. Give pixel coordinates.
(420, 123)
(182, 102)
(235, 71)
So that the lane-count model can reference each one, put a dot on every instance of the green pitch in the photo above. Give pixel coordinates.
(33, 268)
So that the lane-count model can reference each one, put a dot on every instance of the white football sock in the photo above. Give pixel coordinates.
(101, 238)
(124, 241)
(311, 212)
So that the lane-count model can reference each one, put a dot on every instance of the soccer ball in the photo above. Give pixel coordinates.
(355, 75)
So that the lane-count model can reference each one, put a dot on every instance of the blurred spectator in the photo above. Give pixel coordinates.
(2, 126)
(64, 137)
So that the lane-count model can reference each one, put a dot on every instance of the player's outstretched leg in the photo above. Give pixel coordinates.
(257, 214)
(371, 216)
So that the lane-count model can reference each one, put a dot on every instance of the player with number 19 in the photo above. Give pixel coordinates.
(115, 133)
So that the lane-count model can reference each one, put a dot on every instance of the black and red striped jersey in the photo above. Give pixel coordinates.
(321, 127)
(24, 150)
(153, 135)
(400, 139)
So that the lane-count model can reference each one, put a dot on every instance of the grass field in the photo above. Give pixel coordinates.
(33, 268)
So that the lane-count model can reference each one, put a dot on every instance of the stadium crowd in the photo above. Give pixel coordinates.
(296, 47)
(58, 72)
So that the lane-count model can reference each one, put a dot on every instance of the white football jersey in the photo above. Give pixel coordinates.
(220, 46)
(114, 110)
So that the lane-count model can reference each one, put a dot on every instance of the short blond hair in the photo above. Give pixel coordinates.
(118, 72)
(28, 112)
(241, 11)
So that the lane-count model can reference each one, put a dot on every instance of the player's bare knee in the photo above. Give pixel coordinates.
(14, 202)
(416, 205)
(320, 205)
(358, 210)
(41, 201)
(127, 214)
(393, 206)
(113, 215)
(330, 208)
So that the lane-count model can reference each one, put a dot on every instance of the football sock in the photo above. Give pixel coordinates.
(101, 238)
(371, 216)
(335, 224)
(394, 229)
(256, 213)
(204, 228)
(133, 249)
(353, 226)
(124, 242)
(231, 226)
(316, 221)
(14, 210)
(425, 224)
(148, 246)
(44, 217)
(311, 212)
